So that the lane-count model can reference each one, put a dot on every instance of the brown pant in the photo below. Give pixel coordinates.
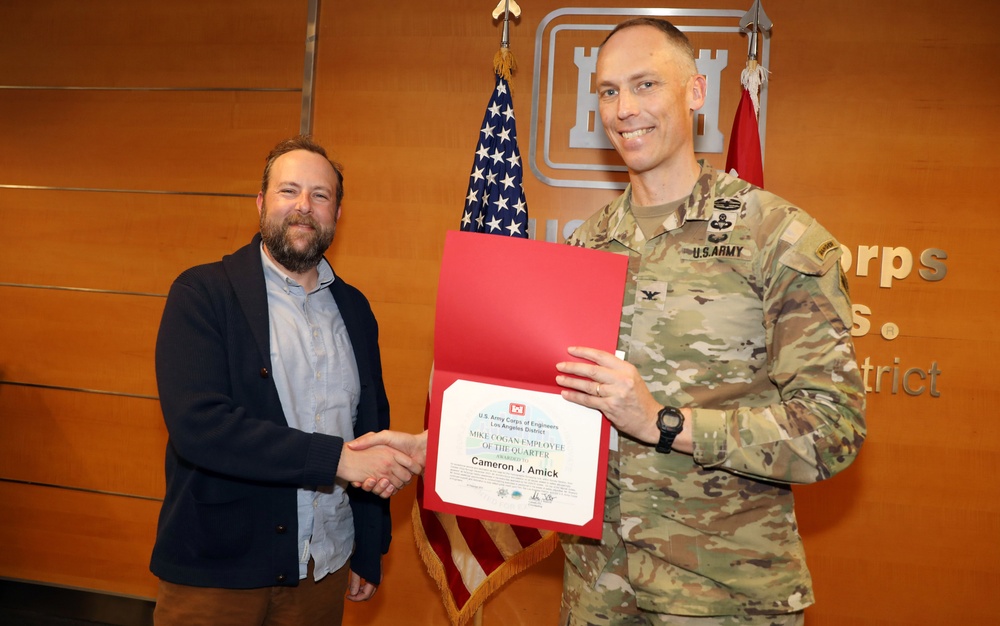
(310, 604)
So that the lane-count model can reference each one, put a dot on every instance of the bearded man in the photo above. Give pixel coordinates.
(267, 362)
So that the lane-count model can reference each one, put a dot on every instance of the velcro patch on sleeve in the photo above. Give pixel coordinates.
(813, 252)
(794, 232)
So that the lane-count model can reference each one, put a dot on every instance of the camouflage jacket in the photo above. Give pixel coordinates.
(736, 308)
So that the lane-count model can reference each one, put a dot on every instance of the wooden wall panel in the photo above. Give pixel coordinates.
(204, 141)
(83, 441)
(76, 539)
(128, 242)
(901, 165)
(405, 332)
(146, 43)
(79, 340)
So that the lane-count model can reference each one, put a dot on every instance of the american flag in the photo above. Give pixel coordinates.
(471, 559)
(495, 201)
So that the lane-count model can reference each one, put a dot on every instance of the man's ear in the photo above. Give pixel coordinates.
(260, 202)
(697, 91)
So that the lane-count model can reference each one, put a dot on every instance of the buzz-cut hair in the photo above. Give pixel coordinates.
(674, 36)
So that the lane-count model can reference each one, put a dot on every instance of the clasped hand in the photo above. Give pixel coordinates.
(407, 451)
(377, 464)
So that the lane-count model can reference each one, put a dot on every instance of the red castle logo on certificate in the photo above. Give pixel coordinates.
(516, 409)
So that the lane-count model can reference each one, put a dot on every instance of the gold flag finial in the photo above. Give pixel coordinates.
(503, 60)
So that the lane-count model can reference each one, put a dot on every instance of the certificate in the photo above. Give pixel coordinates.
(503, 445)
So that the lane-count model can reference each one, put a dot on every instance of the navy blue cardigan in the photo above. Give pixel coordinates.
(233, 464)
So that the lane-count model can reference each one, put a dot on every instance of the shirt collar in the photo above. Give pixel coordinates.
(275, 275)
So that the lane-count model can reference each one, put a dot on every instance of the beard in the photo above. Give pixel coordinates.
(282, 244)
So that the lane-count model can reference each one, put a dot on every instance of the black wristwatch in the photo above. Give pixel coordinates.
(670, 421)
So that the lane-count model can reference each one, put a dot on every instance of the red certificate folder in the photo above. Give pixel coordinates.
(507, 310)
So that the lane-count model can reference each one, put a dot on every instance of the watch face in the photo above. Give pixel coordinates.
(670, 419)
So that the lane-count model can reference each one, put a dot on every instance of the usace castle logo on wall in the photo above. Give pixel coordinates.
(568, 147)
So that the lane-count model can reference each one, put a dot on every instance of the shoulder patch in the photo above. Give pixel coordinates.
(826, 248)
(813, 250)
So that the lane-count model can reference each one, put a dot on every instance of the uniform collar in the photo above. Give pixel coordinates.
(625, 230)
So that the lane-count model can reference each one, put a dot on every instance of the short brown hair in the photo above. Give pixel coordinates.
(674, 35)
(301, 142)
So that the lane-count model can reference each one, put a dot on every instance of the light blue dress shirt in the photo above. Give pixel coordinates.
(317, 378)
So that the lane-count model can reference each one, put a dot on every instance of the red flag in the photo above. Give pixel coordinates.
(744, 158)
(471, 559)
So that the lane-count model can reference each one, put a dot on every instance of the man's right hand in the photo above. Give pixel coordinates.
(411, 446)
(377, 464)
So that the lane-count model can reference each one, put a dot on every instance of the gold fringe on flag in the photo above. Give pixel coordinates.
(511, 567)
(504, 63)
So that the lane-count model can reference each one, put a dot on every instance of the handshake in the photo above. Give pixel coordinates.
(383, 462)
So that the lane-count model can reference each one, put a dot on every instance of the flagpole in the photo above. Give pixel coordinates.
(504, 65)
(746, 158)
(753, 76)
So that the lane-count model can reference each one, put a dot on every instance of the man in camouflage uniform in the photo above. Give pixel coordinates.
(736, 323)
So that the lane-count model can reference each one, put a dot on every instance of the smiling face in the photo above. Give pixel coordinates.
(647, 89)
(299, 210)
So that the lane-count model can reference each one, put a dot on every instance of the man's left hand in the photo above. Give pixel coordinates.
(358, 589)
(613, 387)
